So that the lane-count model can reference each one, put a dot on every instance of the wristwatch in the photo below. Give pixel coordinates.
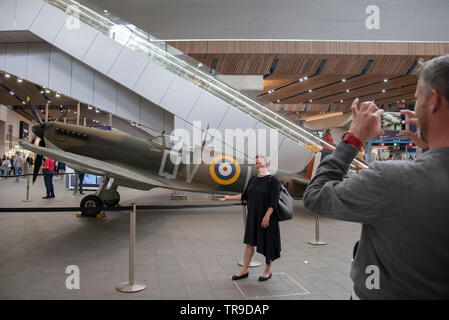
(348, 137)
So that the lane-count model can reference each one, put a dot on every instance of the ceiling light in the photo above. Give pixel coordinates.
(19, 80)
(89, 107)
(42, 91)
(310, 100)
(301, 79)
(57, 95)
(48, 91)
(344, 80)
(341, 100)
(105, 11)
(403, 100)
(7, 75)
(23, 102)
(97, 111)
(397, 101)
(200, 65)
(305, 78)
(310, 90)
(385, 80)
(384, 90)
(347, 90)
(278, 100)
(11, 93)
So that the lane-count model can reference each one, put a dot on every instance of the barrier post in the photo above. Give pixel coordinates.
(253, 263)
(317, 241)
(28, 190)
(131, 286)
(75, 186)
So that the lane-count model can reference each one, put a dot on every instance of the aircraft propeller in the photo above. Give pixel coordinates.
(39, 130)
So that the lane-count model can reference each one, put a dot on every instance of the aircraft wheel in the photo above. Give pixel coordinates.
(111, 197)
(91, 205)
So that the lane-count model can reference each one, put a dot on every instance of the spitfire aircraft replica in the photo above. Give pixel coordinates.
(141, 164)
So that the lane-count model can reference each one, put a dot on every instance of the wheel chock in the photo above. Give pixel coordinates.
(79, 215)
(101, 215)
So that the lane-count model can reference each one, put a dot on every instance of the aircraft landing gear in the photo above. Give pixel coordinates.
(92, 205)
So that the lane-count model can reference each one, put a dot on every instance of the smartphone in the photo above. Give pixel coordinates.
(393, 121)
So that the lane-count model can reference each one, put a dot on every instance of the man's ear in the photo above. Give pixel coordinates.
(435, 102)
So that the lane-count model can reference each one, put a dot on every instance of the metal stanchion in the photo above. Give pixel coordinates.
(317, 241)
(28, 190)
(130, 286)
(252, 264)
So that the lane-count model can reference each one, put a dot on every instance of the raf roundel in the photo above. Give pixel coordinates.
(224, 170)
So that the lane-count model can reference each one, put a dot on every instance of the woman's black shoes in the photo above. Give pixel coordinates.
(243, 276)
(264, 279)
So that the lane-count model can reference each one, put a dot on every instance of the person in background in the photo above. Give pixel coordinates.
(262, 225)
(61, 169)
(11, 165)
(48, 170)
(5, 166)
(18, 166)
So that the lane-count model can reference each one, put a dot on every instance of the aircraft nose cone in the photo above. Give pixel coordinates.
(38, 130)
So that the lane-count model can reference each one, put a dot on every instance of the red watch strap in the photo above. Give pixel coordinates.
(348, 137)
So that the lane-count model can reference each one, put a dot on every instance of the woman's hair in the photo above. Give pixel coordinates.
(265, 159)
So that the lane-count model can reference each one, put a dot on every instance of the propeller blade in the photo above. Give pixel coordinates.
(61, 116)
(37, 166)
(38, 161)
(34, 111)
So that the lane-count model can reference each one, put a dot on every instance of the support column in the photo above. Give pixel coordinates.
(84, 121)
(46, 112)
(110, 120)
(78, 109)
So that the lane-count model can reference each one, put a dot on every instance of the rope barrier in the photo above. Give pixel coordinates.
(125, 208)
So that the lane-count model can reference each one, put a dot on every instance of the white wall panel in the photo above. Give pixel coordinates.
(105, 93)
(60, 71)
(26, 12)
(127, 68)
(209, 110)
(128, 104)
(2, 56)
(7, 14)
(169, 120)
(48, 23)
(102, 53)
(154, 82)
(292, 157)
(38, 63)
(16, 58)
(75, 41)
(180, 97)
(151, 115)
(82, 82)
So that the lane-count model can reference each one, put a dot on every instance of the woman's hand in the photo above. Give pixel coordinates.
(266, 221)
(224, 198)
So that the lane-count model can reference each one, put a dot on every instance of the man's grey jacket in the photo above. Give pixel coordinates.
(404, 209)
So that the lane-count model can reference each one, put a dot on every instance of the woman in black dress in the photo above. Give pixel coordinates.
(262, 225)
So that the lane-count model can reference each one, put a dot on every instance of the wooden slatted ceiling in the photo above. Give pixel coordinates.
(310, 47)
(374, 91)
(295, 64)
(311, 83)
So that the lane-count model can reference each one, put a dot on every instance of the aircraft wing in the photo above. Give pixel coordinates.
(94, 166)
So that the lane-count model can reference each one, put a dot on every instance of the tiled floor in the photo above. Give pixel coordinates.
(180, 254)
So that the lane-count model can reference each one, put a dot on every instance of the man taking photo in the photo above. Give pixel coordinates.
(403, 206)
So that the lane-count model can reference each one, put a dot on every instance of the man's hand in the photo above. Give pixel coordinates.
(366, 122)
(224, 198)
(265, 221)
(411, 118)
